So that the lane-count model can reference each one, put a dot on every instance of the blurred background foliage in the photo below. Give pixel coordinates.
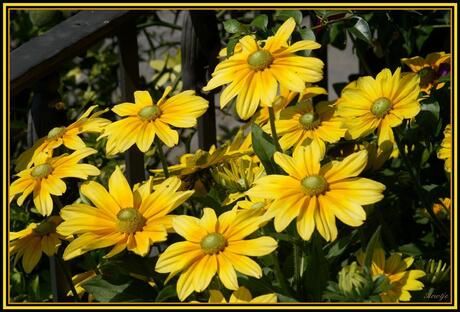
(379, 38)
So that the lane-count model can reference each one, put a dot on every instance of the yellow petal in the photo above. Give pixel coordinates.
(345, 210)
(253, 247)
(167, 135)
(177, 256)
(350, 166)
(99, 196)
(120, 190)
(359, 190)
(32, 255)
(189, 228)
(145, 137)
(325, 223)
(209, 220)
(143, 98)
(244, 265)
(204, 272)
(227, 274)
(241, 295)
(288, 164)
(43, 201)
(306, 221)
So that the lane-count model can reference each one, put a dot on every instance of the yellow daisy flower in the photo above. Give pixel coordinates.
(144, 120)
(442, 208)
(128, 220)
(45, 179)
(237, 176)
(303, 124)
(445, 152)
(381, 103)
(214, 246)
(241, 295)
(253, 73)
(395, 269)
(69, 136)
(430, 69)
(317, 194)
(36, 239)
(79, 279)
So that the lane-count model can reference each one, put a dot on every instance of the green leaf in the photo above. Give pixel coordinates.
(316, 275)
(231, 46)
(329, 13)
(283, 15)
(166, 293)
(105, 291)
(373, 243)
(264, 148)
(260, 22)
(232, 26)
(338, 36)
(361, 29)
(410, 250)
(102, 290)
(307, 34)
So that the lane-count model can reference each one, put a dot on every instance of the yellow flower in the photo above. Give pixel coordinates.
(303, 124)
(45, 179)
(430, 69)
(442, 207)
(381, 103)
(253, 73)
(317, 194)
(395, 269)
(144, 120)
(237, 176)
(57, 136)
(122, 218)
(36, 239)
(377, 156)
(241, 295)
(214, 246)
(79, 279)
(445, 152)
(191, 163)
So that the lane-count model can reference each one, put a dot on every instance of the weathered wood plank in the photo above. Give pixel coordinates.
(44, 54)
(129, 82)
(200, 45)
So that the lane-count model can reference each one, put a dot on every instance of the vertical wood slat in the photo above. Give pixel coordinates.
(42, 117)
(200, 45)
(129, 82)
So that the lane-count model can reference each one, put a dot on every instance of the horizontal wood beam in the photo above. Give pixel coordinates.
(45, 54)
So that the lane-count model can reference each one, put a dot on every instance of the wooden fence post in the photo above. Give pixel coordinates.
(129, 82)
(200, 45)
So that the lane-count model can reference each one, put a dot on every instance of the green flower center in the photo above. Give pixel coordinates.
(427, 75)
(56, 133)
(41, 171)
(213, 243)
(149, 112)
(314, 185)
(381, 107)
(260, 59)
(45, 228)
(130, 220)
(309, 120)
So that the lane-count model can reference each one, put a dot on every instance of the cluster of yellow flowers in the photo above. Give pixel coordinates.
(265, 77)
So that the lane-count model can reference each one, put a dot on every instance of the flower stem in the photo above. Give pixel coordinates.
(271, 113)
(67, 276)
(164, 163)
(418, 187)
(296, 280)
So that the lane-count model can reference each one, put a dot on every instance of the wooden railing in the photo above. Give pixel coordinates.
(35, 66)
